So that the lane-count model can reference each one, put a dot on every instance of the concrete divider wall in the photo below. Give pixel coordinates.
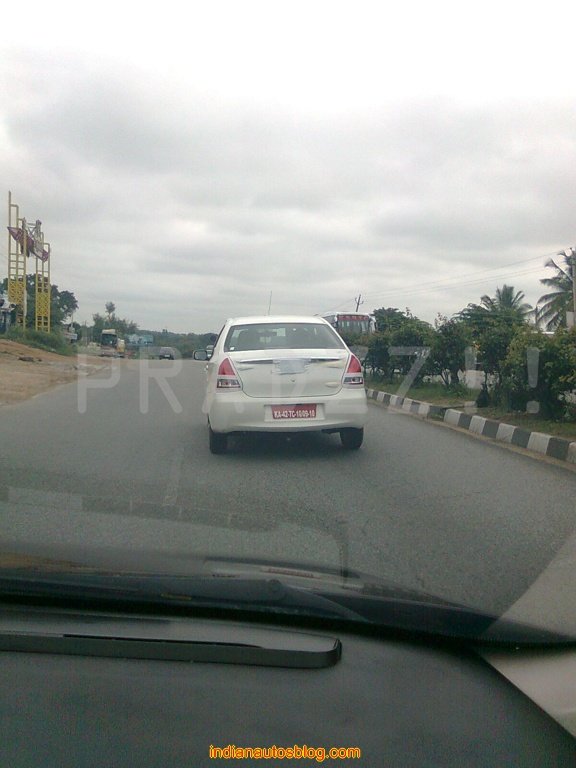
(548, 445)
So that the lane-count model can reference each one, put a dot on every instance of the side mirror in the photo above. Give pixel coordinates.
(201, 354)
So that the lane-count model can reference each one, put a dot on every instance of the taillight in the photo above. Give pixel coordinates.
(353, 376)
(226, 377)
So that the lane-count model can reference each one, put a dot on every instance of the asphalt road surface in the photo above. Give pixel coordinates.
(122, 462)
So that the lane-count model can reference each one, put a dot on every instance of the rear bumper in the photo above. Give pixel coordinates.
(236, 412)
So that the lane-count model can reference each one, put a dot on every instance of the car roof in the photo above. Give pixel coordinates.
(255, 319)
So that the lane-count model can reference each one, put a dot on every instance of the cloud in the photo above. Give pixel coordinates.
(183, 207)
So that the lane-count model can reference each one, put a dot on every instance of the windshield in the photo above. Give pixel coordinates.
(281, 336)
(212, 185)
(353, 326)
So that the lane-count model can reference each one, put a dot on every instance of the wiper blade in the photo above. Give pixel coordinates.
(271, 591)
(172, 591)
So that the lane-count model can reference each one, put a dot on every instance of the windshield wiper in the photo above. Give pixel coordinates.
(231, 593)
(352, 601)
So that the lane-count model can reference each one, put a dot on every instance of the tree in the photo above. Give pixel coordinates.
(552, 307)
(63, 304)
(492, 325)
(110, 310)
(396, 329)
(507, 305)
(508, 301)
(121, 325)
(378, 357)
(553, 378)
(98, 327)
(492, 347)
(448, 355)
(414, 334)
(390, 318)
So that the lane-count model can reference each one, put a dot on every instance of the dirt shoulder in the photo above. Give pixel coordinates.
(26, 371)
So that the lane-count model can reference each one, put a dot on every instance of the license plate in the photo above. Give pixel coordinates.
(290, 366)
(294, 411)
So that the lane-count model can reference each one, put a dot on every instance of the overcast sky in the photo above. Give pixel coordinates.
(187, 161)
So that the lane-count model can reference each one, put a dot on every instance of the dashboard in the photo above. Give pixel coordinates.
(91, 689)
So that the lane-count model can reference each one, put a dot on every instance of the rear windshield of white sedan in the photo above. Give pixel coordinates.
(281, 336)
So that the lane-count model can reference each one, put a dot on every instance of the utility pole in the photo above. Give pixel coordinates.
(574, 283)
(570, 255)
(358, 301)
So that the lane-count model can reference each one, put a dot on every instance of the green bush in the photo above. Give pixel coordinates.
(378, 356)
(448, 354)
(483, 399)
(554, 377)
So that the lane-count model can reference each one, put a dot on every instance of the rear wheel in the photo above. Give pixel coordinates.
(351, 438)
(218, 441)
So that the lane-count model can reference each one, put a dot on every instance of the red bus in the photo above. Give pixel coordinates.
(349, 323)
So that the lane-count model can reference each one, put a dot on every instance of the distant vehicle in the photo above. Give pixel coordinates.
(111, 345)
(350, 324)
(69, 333)
(166, 353)
(283, 374)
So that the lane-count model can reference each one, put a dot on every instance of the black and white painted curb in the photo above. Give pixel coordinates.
(555, 447)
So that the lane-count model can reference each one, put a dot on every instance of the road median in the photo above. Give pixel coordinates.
(548, 445)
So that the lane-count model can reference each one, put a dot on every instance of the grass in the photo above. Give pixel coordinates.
(50, 342)
(531, 422)
(438, 394)
(428, 392)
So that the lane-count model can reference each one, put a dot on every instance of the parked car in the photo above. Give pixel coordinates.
(283, 374)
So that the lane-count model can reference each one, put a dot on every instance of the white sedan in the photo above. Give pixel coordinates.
(282, 374)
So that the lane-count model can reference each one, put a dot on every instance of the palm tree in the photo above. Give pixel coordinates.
(507, 301)
(492, 325)
(552, 307)
(507, 305)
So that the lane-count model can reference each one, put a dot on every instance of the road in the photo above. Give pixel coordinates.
(420, 504)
